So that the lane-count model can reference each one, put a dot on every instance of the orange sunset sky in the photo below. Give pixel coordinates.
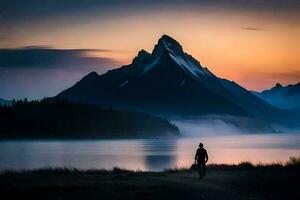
(254, 44)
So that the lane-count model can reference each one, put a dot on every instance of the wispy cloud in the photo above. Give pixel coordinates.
(47, 57)
(52, 8)
(263, 81)
(252, 28)
(292, 75)
(3, 37)
(38, 71)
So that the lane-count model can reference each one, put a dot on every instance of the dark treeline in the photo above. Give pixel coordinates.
(61, 119)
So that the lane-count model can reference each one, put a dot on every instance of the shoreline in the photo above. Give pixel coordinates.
(292, 163)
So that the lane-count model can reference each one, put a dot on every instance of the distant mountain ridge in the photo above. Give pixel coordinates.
(169, 82)
(287, 97)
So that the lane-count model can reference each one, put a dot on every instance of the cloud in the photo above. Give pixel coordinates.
(38, 71)
(264, 80)
(250, 28)
(3, 37)
(209, 125)
(47, 57)
(279, 76)
(291, 75)
(14, 10)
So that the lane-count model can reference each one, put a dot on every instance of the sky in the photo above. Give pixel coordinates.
(47, 46)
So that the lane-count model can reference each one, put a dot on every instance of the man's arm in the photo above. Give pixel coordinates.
(206, 156)
(196, 155)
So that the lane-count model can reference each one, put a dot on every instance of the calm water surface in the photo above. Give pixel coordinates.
(146, 154)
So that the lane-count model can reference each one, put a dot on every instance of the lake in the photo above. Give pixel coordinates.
(146, 154)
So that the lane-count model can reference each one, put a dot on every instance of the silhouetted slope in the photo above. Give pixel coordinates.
(61, 119)
(168, 82)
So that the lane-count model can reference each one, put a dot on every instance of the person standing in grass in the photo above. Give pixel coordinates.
(201, 159)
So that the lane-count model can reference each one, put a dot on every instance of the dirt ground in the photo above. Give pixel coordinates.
(121, 184)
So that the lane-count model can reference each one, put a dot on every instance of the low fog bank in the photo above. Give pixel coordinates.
(284, 129)
(223, 125)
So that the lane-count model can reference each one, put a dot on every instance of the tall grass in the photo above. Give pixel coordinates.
(293, 162)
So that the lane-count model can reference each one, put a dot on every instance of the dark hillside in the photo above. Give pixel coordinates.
(62, 119)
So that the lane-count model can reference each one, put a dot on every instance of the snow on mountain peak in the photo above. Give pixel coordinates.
(167, 44)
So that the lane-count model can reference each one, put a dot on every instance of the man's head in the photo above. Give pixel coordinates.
(201, 145)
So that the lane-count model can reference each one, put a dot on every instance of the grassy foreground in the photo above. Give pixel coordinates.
(244, 181)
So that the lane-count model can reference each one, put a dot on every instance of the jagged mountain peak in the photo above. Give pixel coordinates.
(93, 74)
(142, 57)
(274, 89)
(167, 43)
(143, 52)
(165, 39)
(169, 47)
(278, 85)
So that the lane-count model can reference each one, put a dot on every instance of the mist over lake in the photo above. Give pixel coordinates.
(147, 154)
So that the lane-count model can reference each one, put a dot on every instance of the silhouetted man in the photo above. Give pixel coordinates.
(201, 158)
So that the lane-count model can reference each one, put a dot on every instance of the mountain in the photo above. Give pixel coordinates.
(168, 82)
(287, 97)
(4, 102)
(47, 119)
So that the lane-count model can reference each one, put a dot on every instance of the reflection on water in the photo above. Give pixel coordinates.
(160, 154)
(147, 154)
